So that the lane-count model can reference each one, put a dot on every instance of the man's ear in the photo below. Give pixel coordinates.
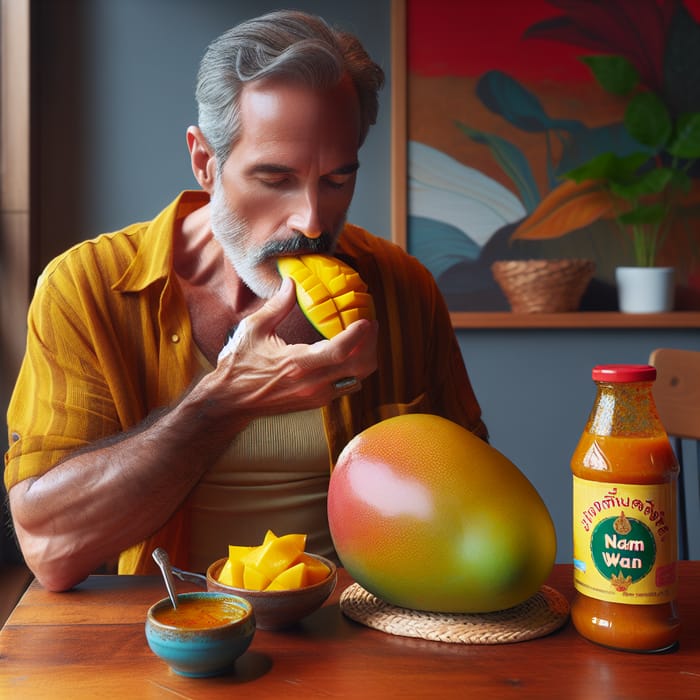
(202, 158)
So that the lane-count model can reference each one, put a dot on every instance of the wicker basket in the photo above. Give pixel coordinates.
(543, 286)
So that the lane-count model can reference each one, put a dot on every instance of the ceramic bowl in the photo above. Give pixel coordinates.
(193, 649)
(279, 609)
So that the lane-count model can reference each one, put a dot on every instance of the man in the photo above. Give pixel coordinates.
(129, 427)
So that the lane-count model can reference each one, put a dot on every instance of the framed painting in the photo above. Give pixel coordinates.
(492, 104)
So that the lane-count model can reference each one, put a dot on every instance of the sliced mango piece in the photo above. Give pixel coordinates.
(232, 572)
(326, 287)
(253, 579)
(226, 574)
(269, 535)
(315, 570)
(236, 551)
(294, 577)
(276, 555)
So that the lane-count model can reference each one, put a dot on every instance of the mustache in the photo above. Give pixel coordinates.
(297, 245)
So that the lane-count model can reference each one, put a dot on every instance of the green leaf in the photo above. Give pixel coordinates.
(681, 181)
(597, 168)
(647, 214)
(686, 142)
(648, 120)
(615, 74)
(609, 166)
(650, 182)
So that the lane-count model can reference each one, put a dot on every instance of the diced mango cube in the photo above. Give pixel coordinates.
(331, 327)
(312, 295)
(348, 300)
(350, 316)
(345, 281)
(322, 312)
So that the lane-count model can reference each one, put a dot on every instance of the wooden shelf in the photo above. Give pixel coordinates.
(578, 319)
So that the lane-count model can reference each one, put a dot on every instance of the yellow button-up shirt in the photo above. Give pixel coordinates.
(110, 339)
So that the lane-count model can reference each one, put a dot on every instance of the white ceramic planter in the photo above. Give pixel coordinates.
(645, 290)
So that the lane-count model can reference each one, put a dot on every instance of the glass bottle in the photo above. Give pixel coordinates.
(624, 526)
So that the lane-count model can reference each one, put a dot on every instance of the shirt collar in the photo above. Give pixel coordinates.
(153, 259)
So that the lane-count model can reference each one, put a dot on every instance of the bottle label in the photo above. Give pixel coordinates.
(625, 548)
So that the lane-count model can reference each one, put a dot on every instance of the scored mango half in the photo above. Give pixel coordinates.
(330, 293)
(279, 563)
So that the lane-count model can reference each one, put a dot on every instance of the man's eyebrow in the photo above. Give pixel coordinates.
(347, 169)
(276, 169)
(268, 168)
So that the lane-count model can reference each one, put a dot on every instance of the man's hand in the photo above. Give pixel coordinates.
(267, 376)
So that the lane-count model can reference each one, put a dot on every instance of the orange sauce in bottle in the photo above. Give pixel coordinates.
(625, 532)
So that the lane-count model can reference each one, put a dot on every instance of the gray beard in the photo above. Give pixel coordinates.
(232, 232)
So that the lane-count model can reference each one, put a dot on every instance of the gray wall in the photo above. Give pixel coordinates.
(116, 81)
(536, 391)
(116, 93)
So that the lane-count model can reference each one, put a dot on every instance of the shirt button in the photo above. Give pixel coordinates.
(175, 338)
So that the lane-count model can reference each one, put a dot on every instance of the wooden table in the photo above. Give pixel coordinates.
(90, 643)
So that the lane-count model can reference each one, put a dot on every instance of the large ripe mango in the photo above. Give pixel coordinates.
(426, 515)
(330, 293)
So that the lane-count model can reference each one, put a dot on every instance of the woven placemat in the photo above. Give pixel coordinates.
(543, 613)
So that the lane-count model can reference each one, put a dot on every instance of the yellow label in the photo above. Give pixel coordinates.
(625, 546)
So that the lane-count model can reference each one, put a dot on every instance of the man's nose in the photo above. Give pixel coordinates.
(306, 218)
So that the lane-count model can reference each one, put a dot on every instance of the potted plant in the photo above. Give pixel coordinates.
(643, 190)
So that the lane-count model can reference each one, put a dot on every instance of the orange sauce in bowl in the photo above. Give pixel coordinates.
(200, 613)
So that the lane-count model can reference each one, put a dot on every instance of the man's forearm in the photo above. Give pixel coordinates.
(101, 501)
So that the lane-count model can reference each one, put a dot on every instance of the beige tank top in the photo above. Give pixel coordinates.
(273, 476)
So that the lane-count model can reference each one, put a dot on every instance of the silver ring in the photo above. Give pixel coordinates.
(345, 383)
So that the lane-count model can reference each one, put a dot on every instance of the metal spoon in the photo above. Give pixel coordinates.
(161, 558)
(190, 577)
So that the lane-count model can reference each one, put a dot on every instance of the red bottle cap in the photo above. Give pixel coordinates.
(624, 373)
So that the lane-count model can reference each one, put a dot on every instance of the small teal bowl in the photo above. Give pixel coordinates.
(199, 651)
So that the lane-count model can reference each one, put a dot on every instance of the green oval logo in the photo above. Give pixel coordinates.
(623, 550)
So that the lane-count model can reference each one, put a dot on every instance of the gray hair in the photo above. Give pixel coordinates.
(287, 44)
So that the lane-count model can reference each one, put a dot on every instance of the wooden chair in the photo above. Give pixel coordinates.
(677, 397)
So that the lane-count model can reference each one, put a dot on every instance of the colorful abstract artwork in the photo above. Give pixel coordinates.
(500, 105)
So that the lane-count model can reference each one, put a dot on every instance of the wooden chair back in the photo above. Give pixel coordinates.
(677, 398)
